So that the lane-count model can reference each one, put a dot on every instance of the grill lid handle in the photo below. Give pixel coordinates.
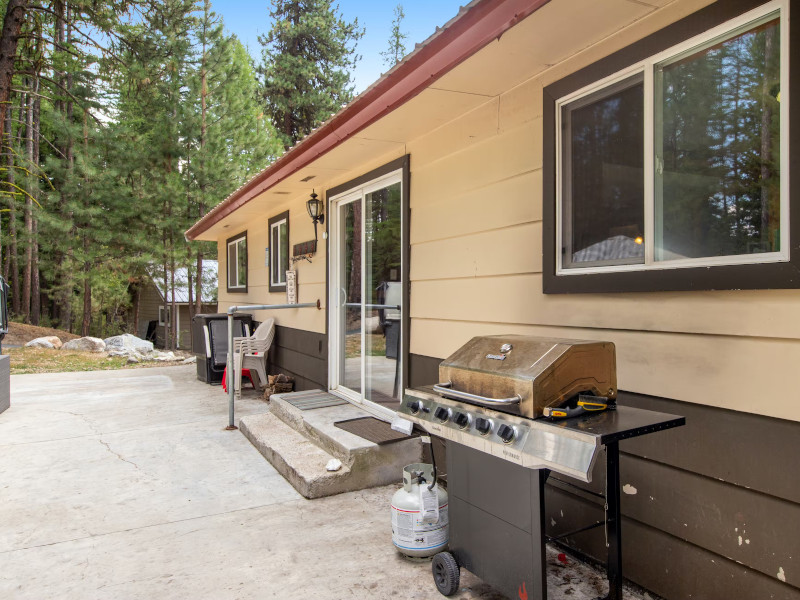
(446, 390)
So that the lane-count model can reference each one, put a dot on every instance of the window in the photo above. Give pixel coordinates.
(164, 314)
(278, 252)
(676, 162)
(237, 263)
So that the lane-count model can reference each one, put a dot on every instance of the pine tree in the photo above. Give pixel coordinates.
(397, 49)
(307, 57)
(230, 137)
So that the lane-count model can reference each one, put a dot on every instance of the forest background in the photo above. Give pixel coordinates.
(125, 121)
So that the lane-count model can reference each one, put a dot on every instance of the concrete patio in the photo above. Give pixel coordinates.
(123, 484)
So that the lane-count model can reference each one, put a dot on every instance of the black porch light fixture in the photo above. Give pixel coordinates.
(314, 206)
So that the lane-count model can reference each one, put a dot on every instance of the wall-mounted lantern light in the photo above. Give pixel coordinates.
(314, 206)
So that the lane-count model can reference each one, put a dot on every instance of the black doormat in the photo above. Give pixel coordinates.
(374, 430)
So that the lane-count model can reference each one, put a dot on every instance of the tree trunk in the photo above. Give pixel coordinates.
(173, 343)
(36, 300)
(15, 15)
(66, 279)
(26, 277)
(87, 290)
(12, 261)
(199, 284)
(137, 296)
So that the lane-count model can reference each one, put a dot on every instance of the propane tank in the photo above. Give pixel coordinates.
(414, 531)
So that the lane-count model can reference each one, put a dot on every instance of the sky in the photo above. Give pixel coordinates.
(250, 18)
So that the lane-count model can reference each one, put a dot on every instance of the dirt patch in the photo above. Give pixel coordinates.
(20, 334)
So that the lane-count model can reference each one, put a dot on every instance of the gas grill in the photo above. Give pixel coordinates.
(491, 404)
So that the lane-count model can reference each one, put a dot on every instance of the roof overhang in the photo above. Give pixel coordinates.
(476, 25)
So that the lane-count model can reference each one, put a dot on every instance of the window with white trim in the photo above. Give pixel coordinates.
(680, 160)
(279, 251)
(164, 315)
(237, 263)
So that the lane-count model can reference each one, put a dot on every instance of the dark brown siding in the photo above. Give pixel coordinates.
(301, 354)
(689, 494)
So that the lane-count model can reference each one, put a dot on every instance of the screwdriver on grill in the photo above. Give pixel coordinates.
(585, 404)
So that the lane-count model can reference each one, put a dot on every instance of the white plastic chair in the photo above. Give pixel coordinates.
(251, 353)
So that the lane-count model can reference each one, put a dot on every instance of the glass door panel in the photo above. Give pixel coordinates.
(351, 310)
(382, 310)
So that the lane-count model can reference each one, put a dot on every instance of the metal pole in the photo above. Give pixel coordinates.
(231, 311)
(229, 370)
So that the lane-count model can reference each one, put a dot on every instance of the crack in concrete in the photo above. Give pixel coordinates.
(117, 454)
(92, 425)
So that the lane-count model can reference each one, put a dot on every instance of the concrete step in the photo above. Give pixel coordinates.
(300, 461)
(299, 444)
(318, 425)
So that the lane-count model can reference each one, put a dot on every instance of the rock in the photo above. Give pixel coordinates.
(44, 342)
(85, 344)
(165, 356)
(133, 360)
(129, 343)
(190, 360)
(334, 464)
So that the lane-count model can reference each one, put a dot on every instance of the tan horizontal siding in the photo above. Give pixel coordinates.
(482, 208)
(516, 298)
(310, 276)
(738, 373)
(499, 252)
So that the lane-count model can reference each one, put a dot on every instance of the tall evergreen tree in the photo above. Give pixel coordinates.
(397, 48)
(307, 57)
(228, 132)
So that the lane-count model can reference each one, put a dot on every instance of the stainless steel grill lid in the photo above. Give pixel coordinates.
(522, 375)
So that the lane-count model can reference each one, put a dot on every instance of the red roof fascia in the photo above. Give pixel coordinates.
(468, 33)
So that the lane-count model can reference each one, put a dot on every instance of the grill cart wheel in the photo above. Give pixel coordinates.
(446, 573)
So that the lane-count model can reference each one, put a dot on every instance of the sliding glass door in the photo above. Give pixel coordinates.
(366, 293)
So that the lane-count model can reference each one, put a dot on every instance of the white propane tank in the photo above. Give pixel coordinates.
(413, 534)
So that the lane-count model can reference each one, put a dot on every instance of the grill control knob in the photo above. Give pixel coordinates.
(506, 433)
(414, 406)
(442, 414)
(461, 419)
(483, 426)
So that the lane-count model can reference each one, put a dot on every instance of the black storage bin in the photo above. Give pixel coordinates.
(210, 342)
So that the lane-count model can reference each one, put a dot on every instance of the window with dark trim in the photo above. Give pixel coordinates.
(237, 263)
(667, 164)
(278, 228)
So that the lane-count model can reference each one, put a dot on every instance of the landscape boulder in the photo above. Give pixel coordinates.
(85, 344)
(50, 341)
(128, 344)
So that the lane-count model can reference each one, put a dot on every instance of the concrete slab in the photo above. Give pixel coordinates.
(137, 496)
(122, 456)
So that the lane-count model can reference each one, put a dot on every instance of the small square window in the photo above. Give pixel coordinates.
(237, 263)
(279, 251)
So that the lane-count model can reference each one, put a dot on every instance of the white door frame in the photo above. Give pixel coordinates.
(357, 193)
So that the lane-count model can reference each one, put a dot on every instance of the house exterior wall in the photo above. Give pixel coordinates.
(694, 496)
(707, 507)
(300, 347)
(149, 301)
